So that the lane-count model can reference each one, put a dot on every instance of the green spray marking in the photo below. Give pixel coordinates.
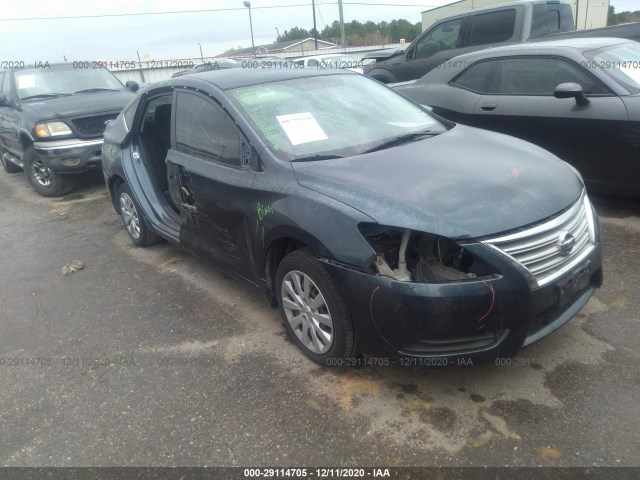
(262, 211)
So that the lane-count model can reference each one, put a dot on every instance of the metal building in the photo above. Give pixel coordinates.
(591, 13)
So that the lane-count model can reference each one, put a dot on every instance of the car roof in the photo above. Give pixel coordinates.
(540, 47)
(242, 77)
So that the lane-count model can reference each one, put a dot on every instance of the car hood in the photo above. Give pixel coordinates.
(465, 183)
(78, 104)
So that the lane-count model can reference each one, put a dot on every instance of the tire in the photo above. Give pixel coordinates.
(329, 341)
(134, 221)
(45, 181)
(8, 166)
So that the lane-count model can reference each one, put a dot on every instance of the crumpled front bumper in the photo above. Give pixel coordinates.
(70, 156)
(476, 320)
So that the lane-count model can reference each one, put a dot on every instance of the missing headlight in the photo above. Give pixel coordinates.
(407, 255)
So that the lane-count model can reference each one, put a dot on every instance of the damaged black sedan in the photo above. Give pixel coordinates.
(376, 227)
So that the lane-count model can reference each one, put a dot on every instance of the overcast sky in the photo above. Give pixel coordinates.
(175, 35)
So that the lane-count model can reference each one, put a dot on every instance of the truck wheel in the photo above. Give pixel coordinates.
(8, 166)
(133, 219)
(315, 315)
(45, 181)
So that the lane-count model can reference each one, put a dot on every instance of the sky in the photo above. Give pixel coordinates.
(171, 35)
(176, 35)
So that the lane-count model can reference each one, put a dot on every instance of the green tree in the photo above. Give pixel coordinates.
(296, 33)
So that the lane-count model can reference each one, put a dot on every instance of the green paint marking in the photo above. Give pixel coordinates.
(262, 211)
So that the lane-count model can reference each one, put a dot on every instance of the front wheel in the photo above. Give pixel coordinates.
(136, 225)
(315, 316)
(45, 181)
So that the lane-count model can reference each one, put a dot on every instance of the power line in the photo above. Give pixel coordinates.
(211, 10)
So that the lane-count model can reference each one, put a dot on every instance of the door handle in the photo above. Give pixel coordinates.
(489, 107)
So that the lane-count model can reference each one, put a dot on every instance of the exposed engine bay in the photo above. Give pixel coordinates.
(406, 255)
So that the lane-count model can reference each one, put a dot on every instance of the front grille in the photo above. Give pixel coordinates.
(539, 249)
(90, 126)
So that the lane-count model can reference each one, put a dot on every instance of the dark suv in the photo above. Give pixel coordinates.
(52, 119)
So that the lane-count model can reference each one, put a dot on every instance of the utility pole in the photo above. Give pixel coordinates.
(201, 56)
(343, 41)
(315, 31)
(577, 5)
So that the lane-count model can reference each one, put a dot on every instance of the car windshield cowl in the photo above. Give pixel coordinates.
(94, 90)
(400, 139)
(45, 95)
(314, 158)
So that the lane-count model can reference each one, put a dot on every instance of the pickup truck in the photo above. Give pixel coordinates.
(481, 28)
(52, 119)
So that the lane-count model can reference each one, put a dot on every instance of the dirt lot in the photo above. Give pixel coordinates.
(148, 357)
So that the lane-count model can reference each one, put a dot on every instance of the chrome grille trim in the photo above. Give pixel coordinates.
(537, 249)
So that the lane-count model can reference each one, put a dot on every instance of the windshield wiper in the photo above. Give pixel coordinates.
(88, 90)
(46, 95)
(313, 158)
(409, 137)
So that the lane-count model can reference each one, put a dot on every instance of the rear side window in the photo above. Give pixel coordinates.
(539, 76)
(493, 27)
(205, 131)
(548, 19)
(474, 78)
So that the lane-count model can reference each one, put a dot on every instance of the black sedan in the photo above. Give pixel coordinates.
(376, 228)
(577, 98)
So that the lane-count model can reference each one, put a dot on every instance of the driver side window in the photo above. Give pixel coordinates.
(443, 37)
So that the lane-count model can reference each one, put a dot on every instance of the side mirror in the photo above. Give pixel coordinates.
(571, 90)
(4, 101)
(132, 85)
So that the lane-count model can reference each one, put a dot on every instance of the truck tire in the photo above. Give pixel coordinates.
(45, 181)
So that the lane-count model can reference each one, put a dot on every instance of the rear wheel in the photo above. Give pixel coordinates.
(45, 181)
(136, 225)
(314, 313)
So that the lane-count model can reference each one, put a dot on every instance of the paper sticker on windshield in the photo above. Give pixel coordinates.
(26, 81)
(301, 128)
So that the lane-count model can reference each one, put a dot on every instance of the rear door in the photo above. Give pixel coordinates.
(210, 181)
(519, 101)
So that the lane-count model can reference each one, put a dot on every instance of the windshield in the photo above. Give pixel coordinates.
(64, 81)
(333, 115)
(622, 62)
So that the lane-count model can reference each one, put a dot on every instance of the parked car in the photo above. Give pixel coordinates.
(476, 29)
(52, 119)
(375, 227)
(577, 98)
(330, 61)
(218, 64)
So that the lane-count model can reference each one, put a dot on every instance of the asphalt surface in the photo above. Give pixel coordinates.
(146, 357)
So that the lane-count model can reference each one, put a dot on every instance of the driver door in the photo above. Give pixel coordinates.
(440, 43)
(210, 180)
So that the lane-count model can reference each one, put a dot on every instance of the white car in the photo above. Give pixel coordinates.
(335, 60)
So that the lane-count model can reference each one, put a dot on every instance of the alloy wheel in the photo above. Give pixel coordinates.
(307, 312)
(130, 215)
(41, 173)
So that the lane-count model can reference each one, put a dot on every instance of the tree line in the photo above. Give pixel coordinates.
(358, 34)
(622, 17)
